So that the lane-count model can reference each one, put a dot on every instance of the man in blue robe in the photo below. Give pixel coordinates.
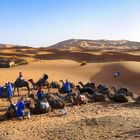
(67, 87)
(40, 93)
(1, 90)
(20, 108)
(9, 90)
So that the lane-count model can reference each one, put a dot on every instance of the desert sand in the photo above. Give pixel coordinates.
(92, 121)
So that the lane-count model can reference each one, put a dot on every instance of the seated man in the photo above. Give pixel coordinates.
(20, 78)
(40, 93)
(20, 108)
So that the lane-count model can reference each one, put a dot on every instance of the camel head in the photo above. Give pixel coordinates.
(130, 94)
(72, 85)
(81, 84)
(137, 99)
(92, 85)
(30, 80)
(54, 84)
(125, 91)
(62, 82)
(78, 87)
(113, 87)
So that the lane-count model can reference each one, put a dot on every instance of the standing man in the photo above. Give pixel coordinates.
(9, 91)
(67, 87)
(1, 89)
(116, 75)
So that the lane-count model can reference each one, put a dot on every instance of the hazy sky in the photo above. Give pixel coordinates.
(45, 22)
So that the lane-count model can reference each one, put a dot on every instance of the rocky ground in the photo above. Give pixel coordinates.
(92, 121)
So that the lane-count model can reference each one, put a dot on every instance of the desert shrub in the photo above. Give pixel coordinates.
(22, 62)
(83, 63)
(13, 58)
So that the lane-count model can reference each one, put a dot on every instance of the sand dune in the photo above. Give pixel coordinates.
(66, 69)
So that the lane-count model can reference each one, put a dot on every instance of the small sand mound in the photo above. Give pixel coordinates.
(107, 120)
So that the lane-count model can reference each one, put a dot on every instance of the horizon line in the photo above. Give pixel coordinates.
(42, 46)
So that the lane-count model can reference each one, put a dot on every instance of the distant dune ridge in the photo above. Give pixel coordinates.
(76, 50)
(97, 44)
(93, 44)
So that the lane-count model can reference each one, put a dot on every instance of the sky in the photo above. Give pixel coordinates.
(41, 23)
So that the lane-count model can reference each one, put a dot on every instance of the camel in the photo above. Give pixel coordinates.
(48, 104)
(11, 112)
(4, 92)
(73, 98)
(94, 94)
(35, 85)
(121, 95)
(61, 89)
(38, 107)
(136, 99)
(90, 85)
(102, 89)
(89, 90)
(97, 97)
(99, 94)
(123, 91)
(79, 99)
(18, 85)
(54, 84)
(55, 103)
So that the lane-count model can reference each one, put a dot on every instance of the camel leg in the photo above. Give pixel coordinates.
(48, 90)
(14, 91)
(48, 87)
(18, 91)
(53, 111)
(28, 90)
(63, 111)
